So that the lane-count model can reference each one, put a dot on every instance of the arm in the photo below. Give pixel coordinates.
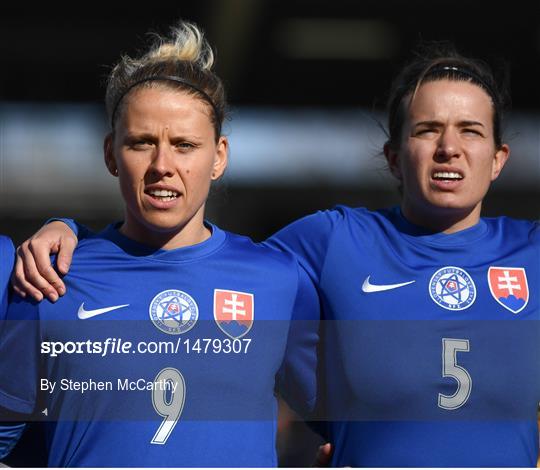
(19, 350)
(7, 257)
(307, 239)
(297, 378)
(10, 434)
(34, 275)
(20, 360)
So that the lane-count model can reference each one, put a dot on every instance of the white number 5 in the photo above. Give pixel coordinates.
(450, 348)
(170, 409)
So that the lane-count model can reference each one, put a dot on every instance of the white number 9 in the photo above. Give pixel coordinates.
(170, 409)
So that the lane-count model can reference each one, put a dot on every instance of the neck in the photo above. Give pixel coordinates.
(443, 220)
(192, 233)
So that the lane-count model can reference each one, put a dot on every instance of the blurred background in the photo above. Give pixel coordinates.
(307, 82)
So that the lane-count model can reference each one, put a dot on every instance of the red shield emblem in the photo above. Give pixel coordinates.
(173, 308)
(509, 287)
(234, 312)
(451, 285)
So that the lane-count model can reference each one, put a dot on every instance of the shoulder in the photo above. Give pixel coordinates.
(7, 254)
(261, 260)
(94, 245)
(97, 250)
(324, 222)
(331, 217)
(244, 249)
(6, 245)
(310, 238)
(515, 228)
(341, 220)
(259, 267)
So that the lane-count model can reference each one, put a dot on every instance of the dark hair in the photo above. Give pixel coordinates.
(183, 61)
(441, 61)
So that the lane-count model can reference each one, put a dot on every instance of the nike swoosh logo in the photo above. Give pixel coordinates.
(84, 314)
(369, 287)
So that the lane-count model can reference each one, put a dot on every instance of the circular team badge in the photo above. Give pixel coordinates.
(174, 312)
(452, 288)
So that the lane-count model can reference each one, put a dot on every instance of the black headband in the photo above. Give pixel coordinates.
(454, 69)
(169, 78)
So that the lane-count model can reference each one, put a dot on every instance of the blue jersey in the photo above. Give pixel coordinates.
(9, 433)
(162, 357)
(7, 255)
(431, 341)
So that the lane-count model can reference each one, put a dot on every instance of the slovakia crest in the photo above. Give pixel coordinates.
(234, 312)
(174, 312)
(509, 287)
(452, 288)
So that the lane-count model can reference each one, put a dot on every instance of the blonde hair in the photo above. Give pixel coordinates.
(182, 61)
(188, 44)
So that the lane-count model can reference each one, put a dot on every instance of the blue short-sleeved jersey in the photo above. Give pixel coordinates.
(162, 358)
(431, 341)
(9, 433)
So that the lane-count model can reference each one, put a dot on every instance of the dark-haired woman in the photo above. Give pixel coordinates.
(432, 331)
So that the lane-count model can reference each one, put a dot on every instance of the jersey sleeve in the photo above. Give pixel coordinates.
(301, 376)
(297, 377)
(7, 258)
(80, 230)
(20, 357)
(308, 240)
(10, 434)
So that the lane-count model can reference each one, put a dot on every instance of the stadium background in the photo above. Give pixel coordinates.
(307, 82)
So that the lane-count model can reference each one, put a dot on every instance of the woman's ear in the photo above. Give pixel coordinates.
(108, 155)
(499, 160)
(221, 158)
(392, 158)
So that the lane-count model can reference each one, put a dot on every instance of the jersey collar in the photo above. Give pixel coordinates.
(188, 253)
